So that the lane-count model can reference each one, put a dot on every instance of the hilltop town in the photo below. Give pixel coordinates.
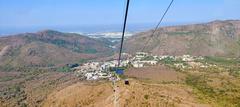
(105, 70)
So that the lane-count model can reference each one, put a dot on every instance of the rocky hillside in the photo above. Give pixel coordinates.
(217, 38)
(49, 48)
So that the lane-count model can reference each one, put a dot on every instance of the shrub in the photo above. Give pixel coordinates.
(146, 96)
(200, 83)
(64, 69)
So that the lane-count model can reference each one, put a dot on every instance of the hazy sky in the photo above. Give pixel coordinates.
(30, 13)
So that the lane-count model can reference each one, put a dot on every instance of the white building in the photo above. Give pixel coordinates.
(153, 62)
(137, 64)
(140, 55)
(187, 58)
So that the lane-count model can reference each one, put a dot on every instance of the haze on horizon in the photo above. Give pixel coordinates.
(89, 16)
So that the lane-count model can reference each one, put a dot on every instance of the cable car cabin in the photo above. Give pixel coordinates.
(126, 82)
(119, 71)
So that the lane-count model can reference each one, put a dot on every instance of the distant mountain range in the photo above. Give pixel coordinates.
(49, 48)
(217, 38)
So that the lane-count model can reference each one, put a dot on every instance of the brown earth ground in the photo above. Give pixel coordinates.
(162, 89)
(159, 73)
(156, 86)
(21, 89)
(137, 94)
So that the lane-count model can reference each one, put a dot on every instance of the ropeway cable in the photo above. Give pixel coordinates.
(123, 33)
(120, 53)
(158, 25)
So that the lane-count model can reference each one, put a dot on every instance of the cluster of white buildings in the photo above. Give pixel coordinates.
(98, 70)
(101, 70)
(94, 70)
(142, 59)
(110, 35)
(189, 62)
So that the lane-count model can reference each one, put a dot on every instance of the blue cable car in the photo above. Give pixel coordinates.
(119, 71)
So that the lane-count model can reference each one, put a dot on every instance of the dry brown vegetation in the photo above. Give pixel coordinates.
(49, 48)
(156, 90)
(137, 94)
(81, 95)
(20, 89)
(217, 38)
(154, 86)
(158, 73)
